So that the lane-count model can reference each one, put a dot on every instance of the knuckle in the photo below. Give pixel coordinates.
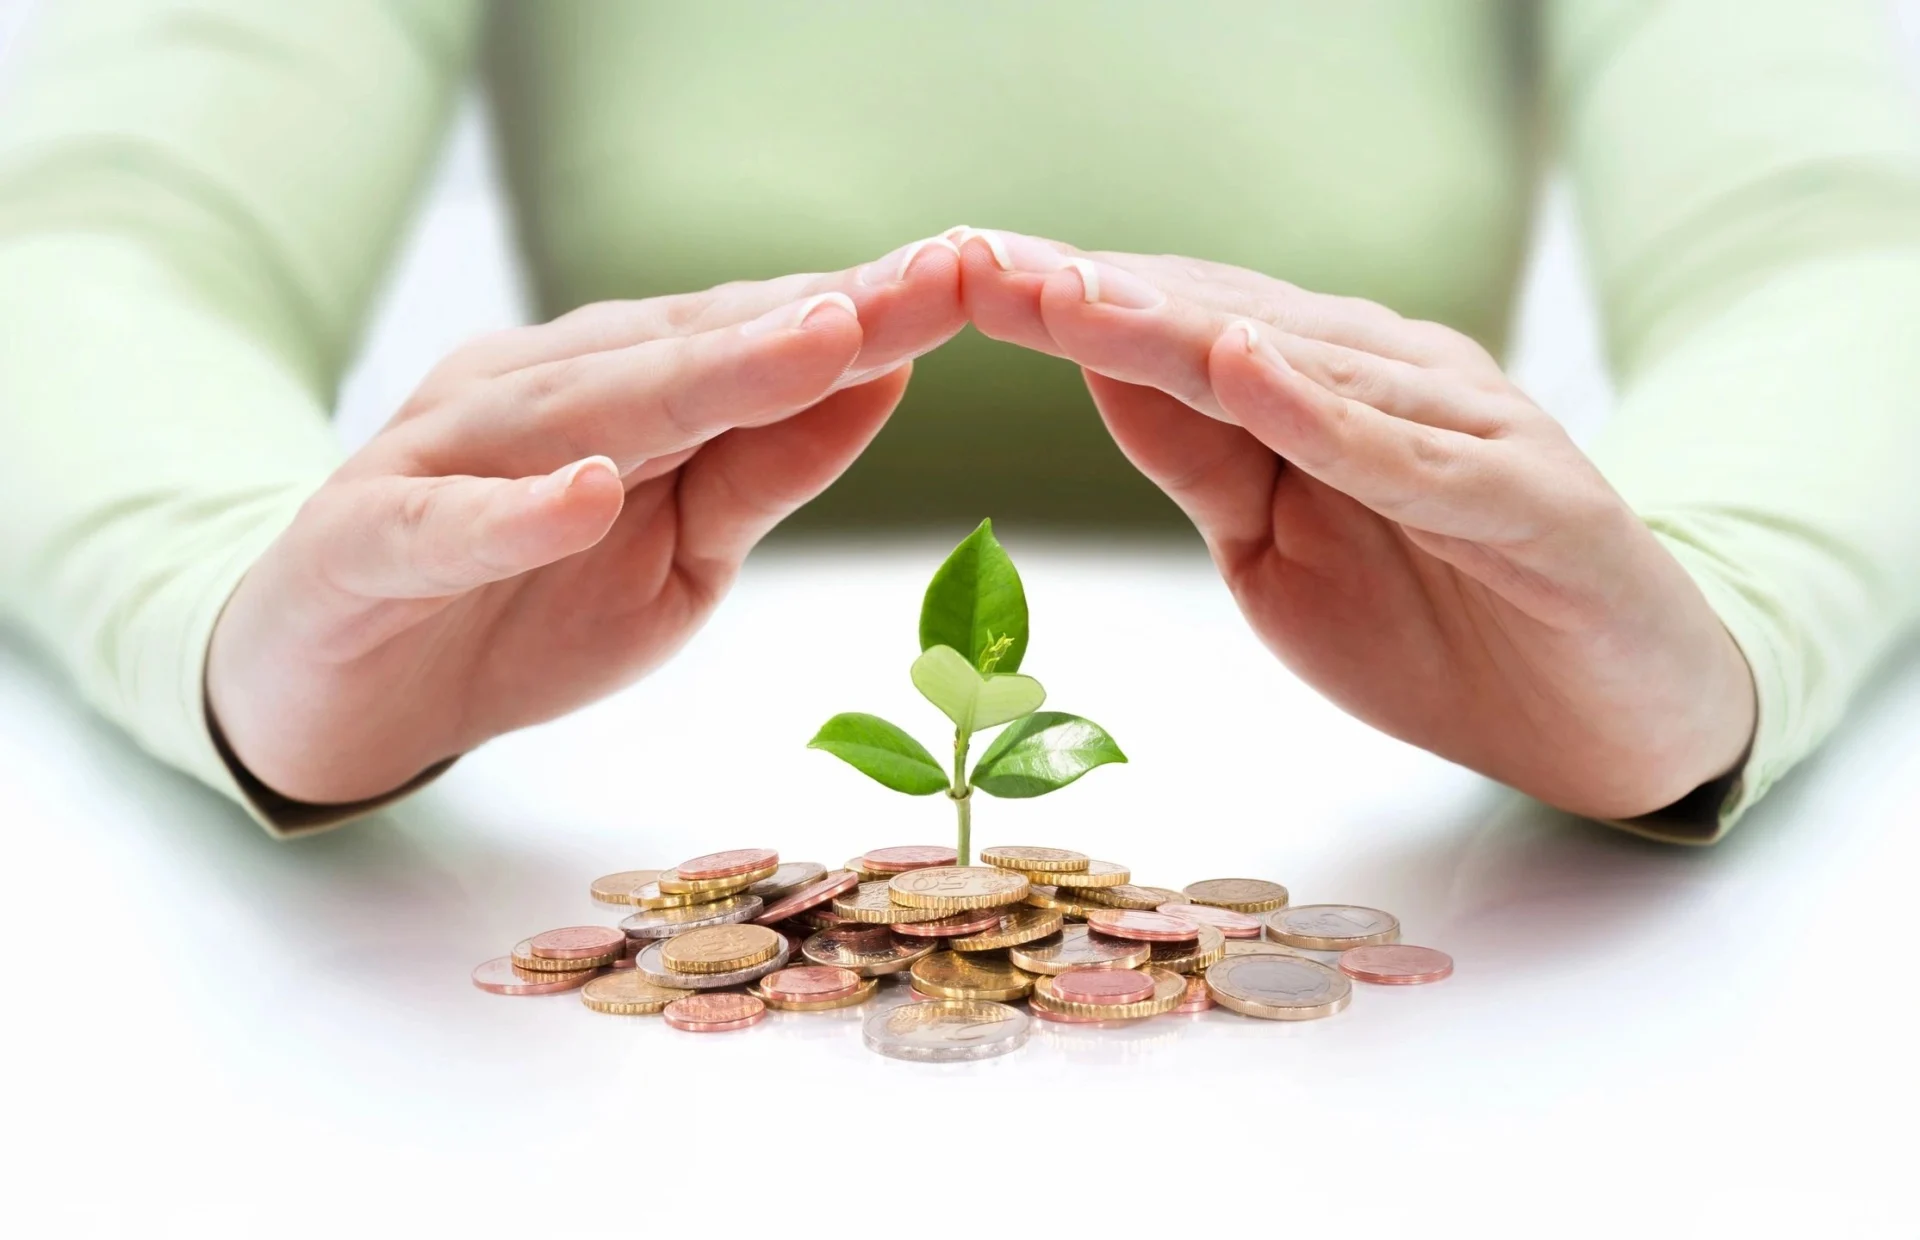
(550, 386)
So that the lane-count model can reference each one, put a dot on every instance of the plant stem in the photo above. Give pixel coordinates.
(961, 794)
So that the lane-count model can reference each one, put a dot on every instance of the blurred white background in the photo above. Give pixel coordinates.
(457, 277)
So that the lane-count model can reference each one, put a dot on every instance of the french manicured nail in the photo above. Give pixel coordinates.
(1015, 251)
(1109, 286)
(894, 267)
(796, 314)
(564, 477)
(1262, 349)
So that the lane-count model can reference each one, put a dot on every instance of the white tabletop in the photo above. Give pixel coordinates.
(213, 1032)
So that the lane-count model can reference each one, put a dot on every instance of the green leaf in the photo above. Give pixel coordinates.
(976, 597)
(877, 748)
(1043, 752)
(974, 702)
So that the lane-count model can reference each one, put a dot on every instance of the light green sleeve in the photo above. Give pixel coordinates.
(197, 198)
(1748, 180)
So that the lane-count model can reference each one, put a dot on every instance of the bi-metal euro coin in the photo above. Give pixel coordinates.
(946, 1030)
(1278, 987)
(1332, 927)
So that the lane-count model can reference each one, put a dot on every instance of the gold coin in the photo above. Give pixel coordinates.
(1017, 925)
(1028, 859)
(1127, 895)
(626, 993)
(523, 958)
(858, 866)
(1242, 895)
(1168, 990)
(951, 975)
(1193, 955)
(1332, 927)
(864, 993)
(649, 895)
(618, 888)
(1054, 898)
(1278, 987)
(720, 949)
(873, 904)
(1258, 947)
(1097, 874)
(1077, 947)
(672, 884)
(951, 888)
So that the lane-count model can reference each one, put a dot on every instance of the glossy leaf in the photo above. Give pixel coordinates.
(882, 751)
(976, 597)
(974, 702)
(1043, 752)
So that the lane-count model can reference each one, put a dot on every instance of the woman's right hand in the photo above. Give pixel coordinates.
(553, 512)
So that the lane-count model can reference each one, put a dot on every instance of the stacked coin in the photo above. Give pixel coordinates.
(718, 940)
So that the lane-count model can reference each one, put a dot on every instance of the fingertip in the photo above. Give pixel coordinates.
(584, 497)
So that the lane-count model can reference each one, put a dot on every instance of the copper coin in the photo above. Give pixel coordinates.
(499, 976)
(812, 895)
(970, 922)
(727, 864)
(1198, 998)
(1103, 985)
(807, 982)
(904, 857)
(1068, 1018)
(714, 1013)
(1225, 920)
(1396, 964)
(576, 943)
(1126, 923)
(618, 888)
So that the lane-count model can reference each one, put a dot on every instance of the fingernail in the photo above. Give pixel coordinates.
(797, 314)
(1109, 286)
(1015, 251)
(1263, 351)
(894, 267)
(564, 477)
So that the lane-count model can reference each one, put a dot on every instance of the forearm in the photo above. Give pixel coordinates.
(147, 456)
(1773, 454)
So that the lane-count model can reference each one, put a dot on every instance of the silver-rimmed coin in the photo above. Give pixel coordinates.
(789, 878)
(1278, 987)
(946, 1030)
(869, 951)
(649, 965)
(1332, 927)
(1077, 947)
(662, 923)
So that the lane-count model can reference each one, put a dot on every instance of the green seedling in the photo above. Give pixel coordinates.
(973, 636)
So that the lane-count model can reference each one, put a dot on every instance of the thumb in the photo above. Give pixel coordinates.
(401, 537)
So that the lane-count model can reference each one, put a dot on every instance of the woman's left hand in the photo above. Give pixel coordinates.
(1402, 526)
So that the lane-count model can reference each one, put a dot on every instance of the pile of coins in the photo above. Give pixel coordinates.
(712, 947)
